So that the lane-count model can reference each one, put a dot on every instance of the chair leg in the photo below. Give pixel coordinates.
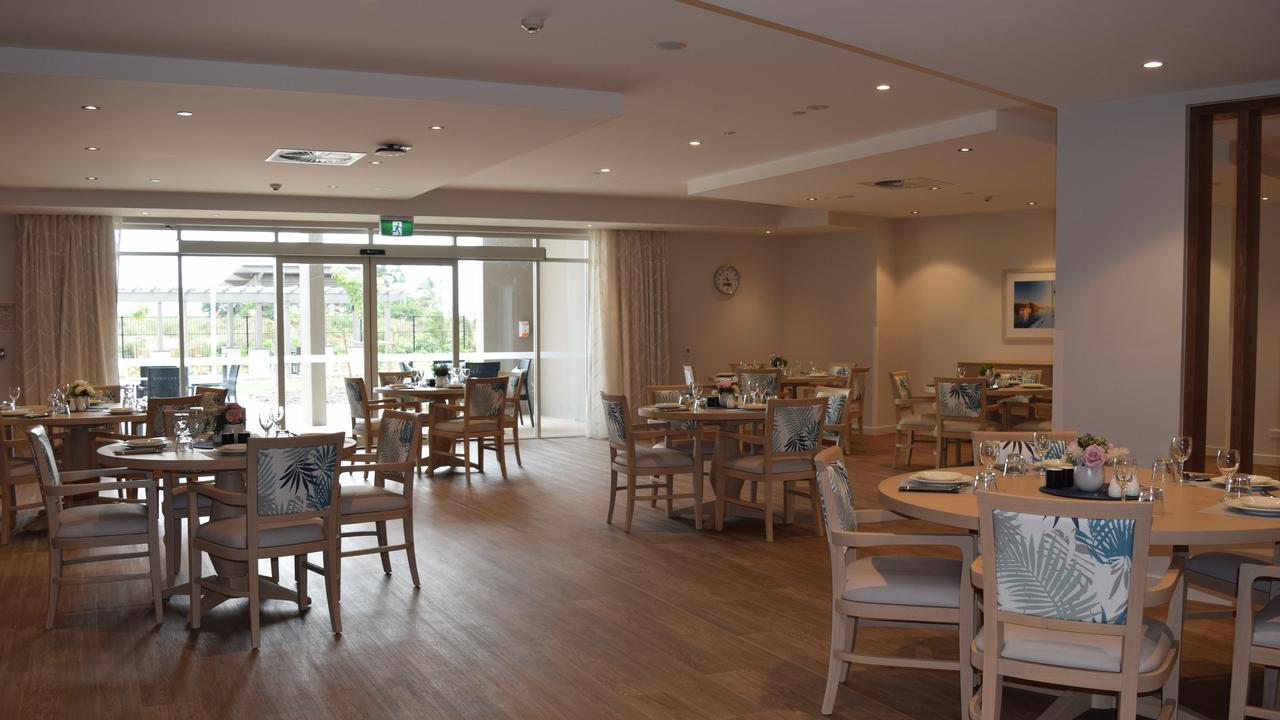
(631, 501)
(1240, 662)
(194, 570)
(1127, 708)
(850, 637)
(835, 666)
(788, 503)
(515, 440)
(382, 541)
(409, 552)
(480, 454)
(613, 495)
(768, 512)
(671, 488)
(819, 522)
(55, 574)
(333, 587)
(255, 601)
(275, 569)
(696, 479)
(172, 547)
(501, 449)
(911, 444)
(719, 493)
(300, 580)
(157, 573)
(466, 458)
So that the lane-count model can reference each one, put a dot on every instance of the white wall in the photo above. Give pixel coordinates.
(949, 286)
(1121, 209)
(9, 293)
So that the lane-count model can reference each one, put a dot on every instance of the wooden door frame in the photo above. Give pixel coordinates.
(1244, 294)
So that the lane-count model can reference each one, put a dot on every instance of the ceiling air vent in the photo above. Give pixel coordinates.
(914, 183)
(314, 157)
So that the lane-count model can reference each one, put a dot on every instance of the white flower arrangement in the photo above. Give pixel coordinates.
(81, 388)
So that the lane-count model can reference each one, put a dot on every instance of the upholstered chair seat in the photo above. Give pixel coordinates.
(638, 450)
(755, 464)
(654, 457)
(230, 532)
(99, 520)
(904, 580)
(1063, 648)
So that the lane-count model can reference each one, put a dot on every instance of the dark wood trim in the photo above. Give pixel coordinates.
(1199, 250)
(1244, 284)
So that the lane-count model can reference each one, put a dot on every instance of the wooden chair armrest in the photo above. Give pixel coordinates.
(651, 434)
(226, 497)
(362, 457)
(1162, 591)
(378, 467)
(448, 406)
(78, 475)
(1253, 572)
(876, 515)
(975, 572)
(373, 404)
(965, 543)
(93, 488)
(656, 425)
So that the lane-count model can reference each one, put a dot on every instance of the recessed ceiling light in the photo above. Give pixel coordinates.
(153, 180)
(915, 212)
(91, 178)
(435, 127)
(818, 107)
(812, 199)
(934, 187)
(1264, 197)
(964, 149)
(670, 45)
(1153, 64)
(92, 148)
(768, 232)
(695, 143)
(1032, 203)
(144, 212)
(375, 162)
(884, 87)
(185, 113)
(90, 107)
(589, 225)
(333, 187)
(606, 170)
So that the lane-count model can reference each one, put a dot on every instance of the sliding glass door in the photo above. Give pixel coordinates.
(414, 314)
(324, 341)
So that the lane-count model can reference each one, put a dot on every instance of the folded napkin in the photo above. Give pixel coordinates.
(910, 486)
(139, 450)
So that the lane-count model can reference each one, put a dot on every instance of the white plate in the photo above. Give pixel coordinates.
(752, 406)
(12, 413)
(120, 411)
(940, 478)
(819, 375)
(146, 442)
(668, 406)
(1257, 504)
(1259, 481)
(233, 449)
(1034, 386)
(455, 386)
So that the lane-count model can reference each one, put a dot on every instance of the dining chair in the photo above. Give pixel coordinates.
(837, 425)
(290, 508)
(1216, 573)
(160, 411)
(895, 589)
(213, 393)
(841, 370)
(1064, 595)
(391, 377)
(681, 435)
(689, 376)
(483, 407)
(769, 379)
(94, 526)
(523, 364)
(364, 412)
(110, 393)
(636, 450)
(511, 411)
(15, 471)
(916, 417)
(399, 446)
(962, 409)
(790, 440)
(1021, 443)
(230, 379)
(1257, 640)
(1021, 411)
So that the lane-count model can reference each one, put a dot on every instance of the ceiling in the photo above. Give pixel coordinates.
(525, 113)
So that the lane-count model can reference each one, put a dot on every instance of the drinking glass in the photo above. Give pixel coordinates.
(959, 371)
(182, 435)
(1125, 469)
(1152, 494)
(279, 420)
(1161, 472)
(1180, 450)
(128, 396)
(1228, 464)
(985, 480)
(1241, 486)
(266, 419)
(15, 392)
(1041, 443)
(695, 391)
(989, 453)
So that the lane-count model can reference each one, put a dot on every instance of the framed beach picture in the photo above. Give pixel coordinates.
(1028, 305)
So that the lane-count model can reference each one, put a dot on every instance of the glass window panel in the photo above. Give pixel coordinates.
(203, 235)
(230, 306)
(473, 241)
(1266, 419)
(324, 342)
(425, 240)
(415, 316)
(146, 240)
(495, 309)
(1222, 241)
(566, 249)
(562, 395)
(331, 238)
(147, 315)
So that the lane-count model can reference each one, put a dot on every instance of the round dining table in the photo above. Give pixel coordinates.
(702, 417)
(228, 471)
(1192, 514)
(427, 394)
(77, 449)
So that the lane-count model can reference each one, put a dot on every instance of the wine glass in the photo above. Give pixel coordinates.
(266, 419)
(1180, 450)
(989, 453)
(279, 419)
(182, 435)
(1124, 471)
(1042, 444)
(1228, 464)
(959, 371)
(15, 392)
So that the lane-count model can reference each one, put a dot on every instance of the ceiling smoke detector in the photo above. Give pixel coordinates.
(392, 150)
(314, 157)
(914, 183)
(531, 24)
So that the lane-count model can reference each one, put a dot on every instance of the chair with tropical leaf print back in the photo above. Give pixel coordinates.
(291, 508)
(767, 380)
(399, 445)
(837, 426)
(790, 440)
(633, 453)
(899, 588)
(917, 417)
(483, 408)
(1064, 595)
(364, 412)
(962, 410)
(842, 371)
(1022, 444)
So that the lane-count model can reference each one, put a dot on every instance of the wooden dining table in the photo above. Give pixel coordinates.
(77, 448)
(228, 471)
(1192, 515)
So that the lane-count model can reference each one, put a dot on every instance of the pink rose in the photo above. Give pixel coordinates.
(1094, 456)
(234, 414)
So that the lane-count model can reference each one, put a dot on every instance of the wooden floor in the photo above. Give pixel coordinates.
(530, 607)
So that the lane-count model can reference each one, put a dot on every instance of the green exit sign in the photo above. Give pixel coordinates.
(397, 226)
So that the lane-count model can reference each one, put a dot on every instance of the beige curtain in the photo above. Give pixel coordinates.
(67, 301)
(627, 344)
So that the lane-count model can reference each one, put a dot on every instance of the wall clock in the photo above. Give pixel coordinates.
(727, 279)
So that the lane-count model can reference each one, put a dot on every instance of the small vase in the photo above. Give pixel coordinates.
(727, 400)
(1088, 479)
(80, 403)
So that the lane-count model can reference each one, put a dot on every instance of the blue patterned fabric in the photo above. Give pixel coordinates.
(901, 386)
(839, 511)
(355, 396)
(1027, 449)
(795, 427)
(486, 399)
(960, 399)
(840, 370)
(769, 381)
(1063, 568)
(858, 386)
(616, 420)
(46, 466)
(835, 404)
(395, 439)
(294, 480)
(666, 396)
